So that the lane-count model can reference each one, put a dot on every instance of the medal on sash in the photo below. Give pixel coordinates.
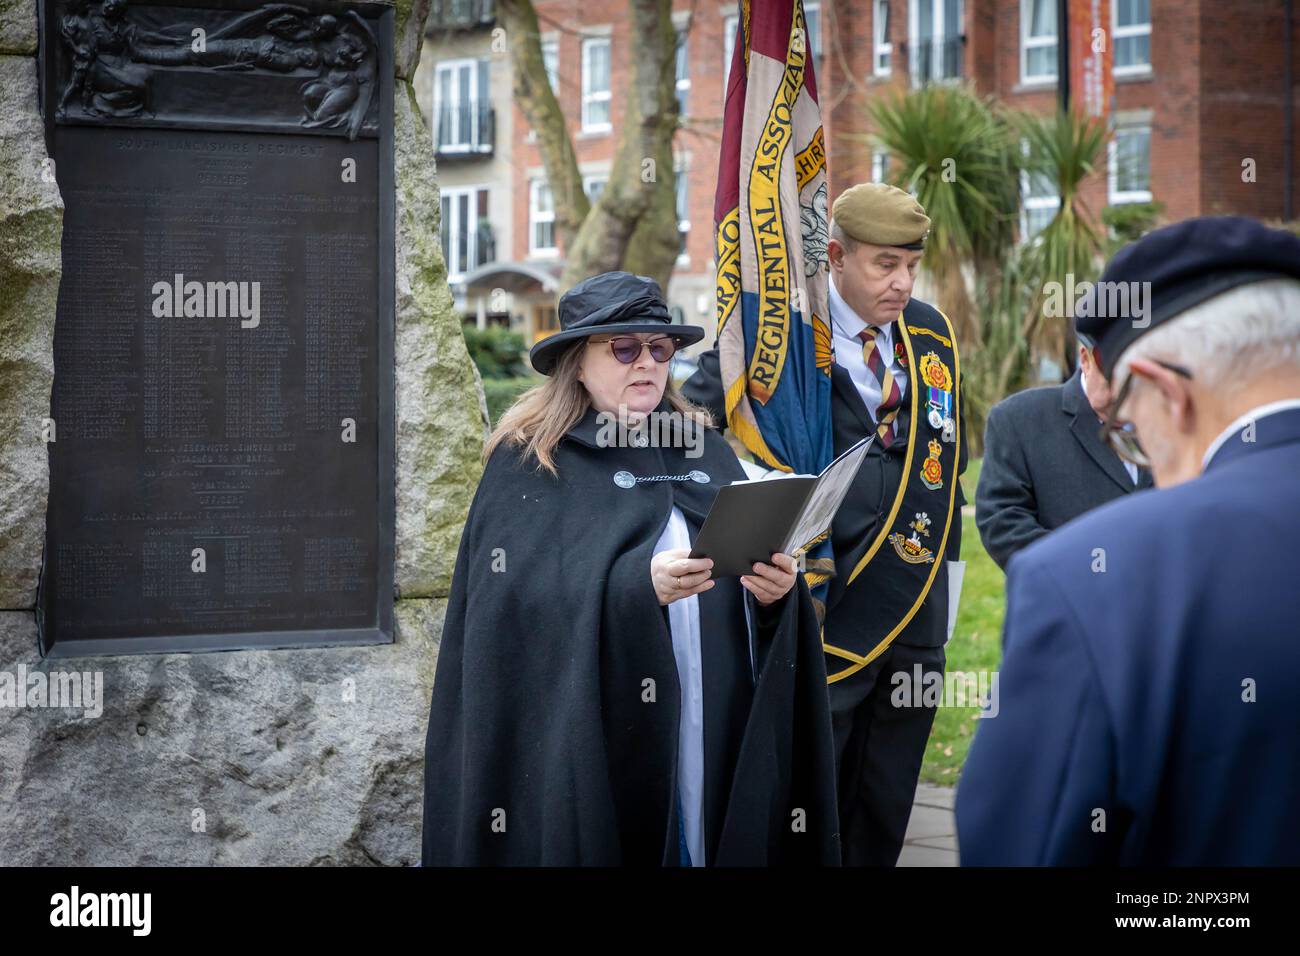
(898, 576)
(939, 405)
(938, 382)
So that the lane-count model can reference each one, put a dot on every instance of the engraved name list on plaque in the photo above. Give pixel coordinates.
(221, 435)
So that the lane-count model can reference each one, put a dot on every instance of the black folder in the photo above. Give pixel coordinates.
(750, 520)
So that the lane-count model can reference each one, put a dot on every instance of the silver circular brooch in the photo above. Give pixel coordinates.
(700, 476)
(624, 479)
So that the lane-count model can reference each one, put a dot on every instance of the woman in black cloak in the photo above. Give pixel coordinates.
(599, 698)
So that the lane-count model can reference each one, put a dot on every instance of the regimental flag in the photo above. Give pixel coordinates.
(770, 230)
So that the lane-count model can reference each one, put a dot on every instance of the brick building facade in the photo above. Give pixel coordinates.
(1200, 89)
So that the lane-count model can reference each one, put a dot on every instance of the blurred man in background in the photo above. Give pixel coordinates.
(1045, 463)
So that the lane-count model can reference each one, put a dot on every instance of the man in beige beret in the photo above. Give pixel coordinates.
(896, 375)
(896, 370)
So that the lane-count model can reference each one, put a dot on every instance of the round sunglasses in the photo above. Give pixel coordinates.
(627, 348)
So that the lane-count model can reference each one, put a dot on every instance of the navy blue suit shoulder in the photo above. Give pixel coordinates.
(1145, 714)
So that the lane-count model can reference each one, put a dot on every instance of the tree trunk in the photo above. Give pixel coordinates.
(532, 91)
(634, 224)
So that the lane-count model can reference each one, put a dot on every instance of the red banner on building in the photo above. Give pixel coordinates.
(1092, 81)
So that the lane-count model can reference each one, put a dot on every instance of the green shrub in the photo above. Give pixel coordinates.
(496, 351)
(502, 392)
(1129, 222)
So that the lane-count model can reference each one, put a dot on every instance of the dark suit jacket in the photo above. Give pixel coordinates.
(1158, 686)
(866, 503)
(1044, 465)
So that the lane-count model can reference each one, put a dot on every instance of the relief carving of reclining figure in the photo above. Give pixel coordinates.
(111, 58)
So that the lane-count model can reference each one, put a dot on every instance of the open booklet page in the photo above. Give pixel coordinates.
(825, 498)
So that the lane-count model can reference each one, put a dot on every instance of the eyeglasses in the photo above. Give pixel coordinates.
(1119, 434)
(627, 348)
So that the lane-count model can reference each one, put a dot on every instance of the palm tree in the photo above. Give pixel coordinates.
(956, 153)
(1063, 149)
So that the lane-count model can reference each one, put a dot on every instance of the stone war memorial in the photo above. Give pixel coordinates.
(239, 432)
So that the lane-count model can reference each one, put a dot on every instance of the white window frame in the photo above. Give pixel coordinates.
(552, 46)
(1027, 43)
(590, 178)
(452, 193)
(814, 36)
(551, 42)
(879, 165)
(470, 143)
(1118, 33)
(681, 171)
(940, 27)
(1113, 195)
(1035, 203)
(730, 24)
(882, 48)
(536, 217)
(598, 96)
(683, 83)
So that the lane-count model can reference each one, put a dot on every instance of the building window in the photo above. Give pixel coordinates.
(466, 232)
(683, 75)
(683, 210)
(595, 85)
(1132, 35)
(541, 219)
(1129, 156)
(461, 105)
(729, 27)
(1040, 199)
(1037, 41)
(882, 58)
(594, 186)
(936, 40)
(551, 60)
(879, 166)
(461, 14)
(812, 14)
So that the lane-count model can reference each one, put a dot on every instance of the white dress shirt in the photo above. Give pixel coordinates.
(684, 623)
(846, 325)
(1132, 470)
(1254, 415)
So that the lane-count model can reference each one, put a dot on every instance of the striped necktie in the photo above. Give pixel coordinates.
(890, 395)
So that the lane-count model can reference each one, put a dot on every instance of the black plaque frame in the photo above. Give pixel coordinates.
(381, 17)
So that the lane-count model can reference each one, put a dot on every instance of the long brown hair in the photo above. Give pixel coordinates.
(541, 416)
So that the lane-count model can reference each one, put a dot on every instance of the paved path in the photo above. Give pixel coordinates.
(932, 831)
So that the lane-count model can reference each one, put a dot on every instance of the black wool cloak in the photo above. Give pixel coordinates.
(552, 735)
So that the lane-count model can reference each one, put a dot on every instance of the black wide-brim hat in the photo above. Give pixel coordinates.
(612, 303)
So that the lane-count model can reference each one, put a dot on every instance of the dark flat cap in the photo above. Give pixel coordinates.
(1186, 264)
(612, 303)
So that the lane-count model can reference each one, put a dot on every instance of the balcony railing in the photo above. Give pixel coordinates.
(465, 131)
(936, 59)
(460, 14)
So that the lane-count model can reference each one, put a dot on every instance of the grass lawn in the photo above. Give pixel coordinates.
(976, 645)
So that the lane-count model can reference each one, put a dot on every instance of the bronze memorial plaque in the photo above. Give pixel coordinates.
(221, 434)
